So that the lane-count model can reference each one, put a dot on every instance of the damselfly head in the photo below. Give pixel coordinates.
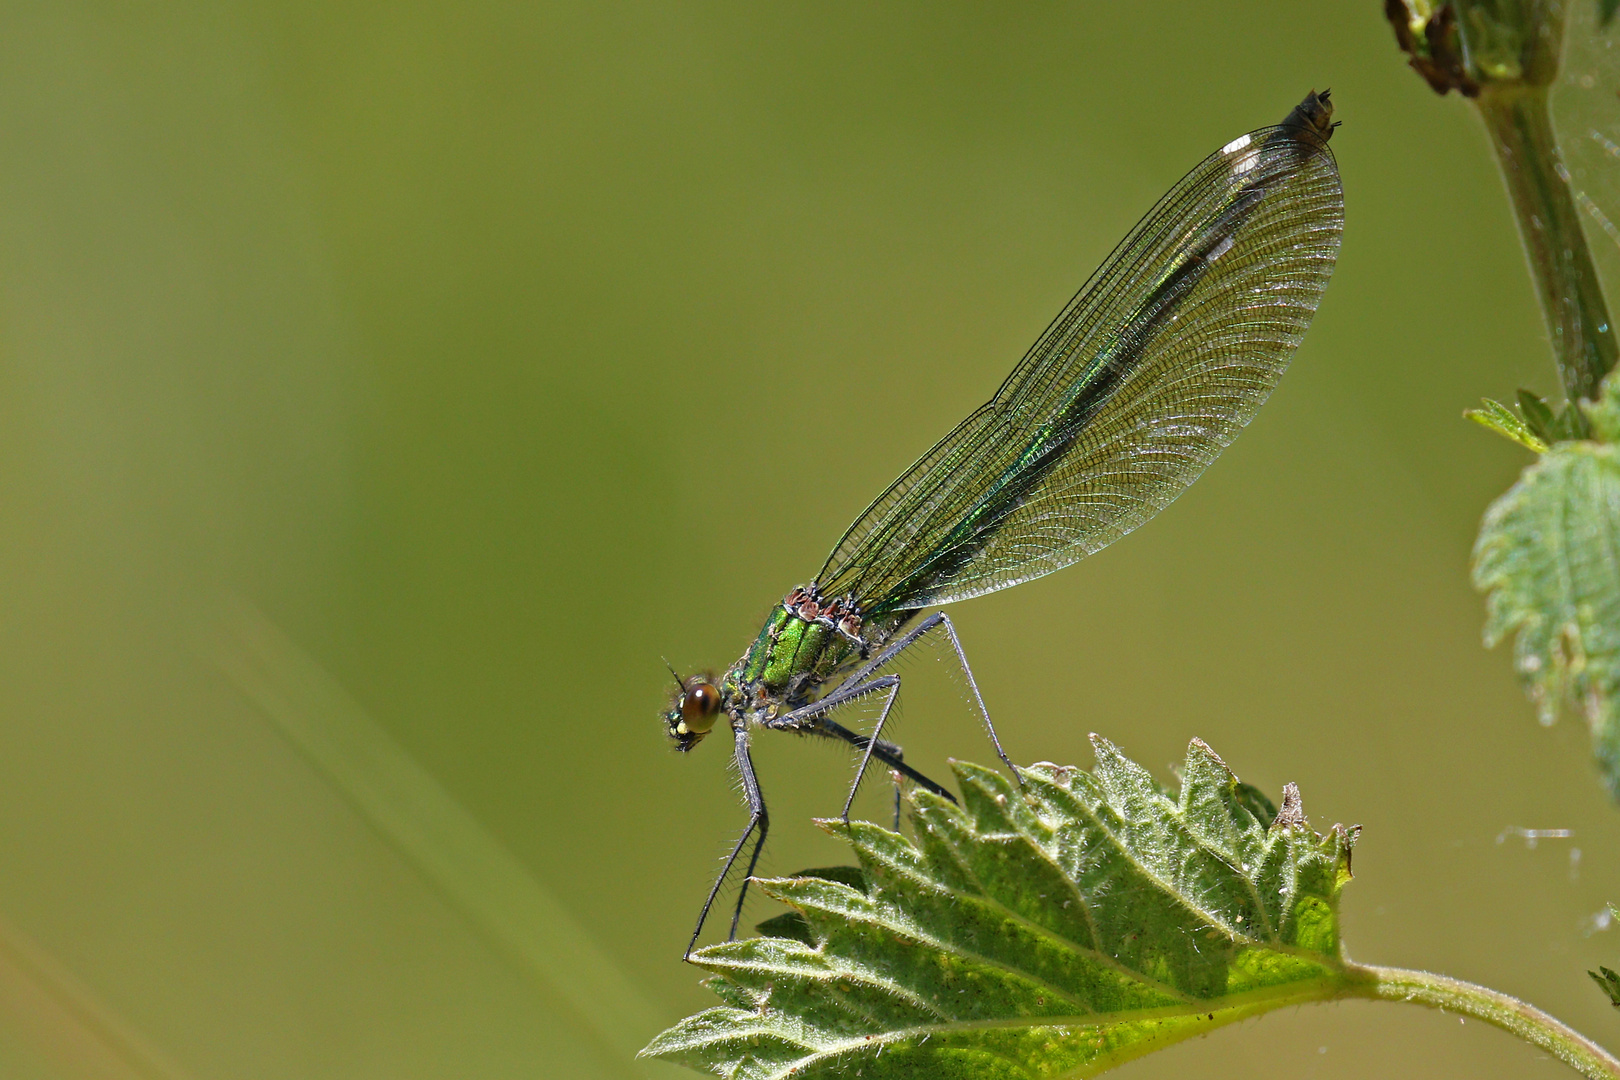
(694, 712)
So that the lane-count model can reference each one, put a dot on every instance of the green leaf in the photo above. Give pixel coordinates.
(1609, 983)
(793, 925)
(1606, 9)
(1255, 802)
(1538, 415)
(1500, 419)
(1548, 555)
(1061, 928)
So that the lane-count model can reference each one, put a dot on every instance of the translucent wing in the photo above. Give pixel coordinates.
(1142, 380)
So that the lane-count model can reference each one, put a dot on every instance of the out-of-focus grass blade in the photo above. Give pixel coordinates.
(65, 1021)
(425, 823)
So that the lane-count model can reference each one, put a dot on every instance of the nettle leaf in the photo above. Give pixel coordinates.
(1062, 928)
(1548, 554)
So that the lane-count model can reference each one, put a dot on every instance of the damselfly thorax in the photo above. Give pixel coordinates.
(806, 642)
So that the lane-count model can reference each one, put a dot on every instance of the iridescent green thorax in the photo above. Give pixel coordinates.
(802, 644)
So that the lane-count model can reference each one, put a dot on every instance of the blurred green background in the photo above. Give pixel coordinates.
(385, 388)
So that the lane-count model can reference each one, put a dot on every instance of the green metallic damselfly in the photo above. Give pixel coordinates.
(1142, 379)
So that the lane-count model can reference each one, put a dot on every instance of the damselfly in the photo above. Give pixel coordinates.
(1142, 379)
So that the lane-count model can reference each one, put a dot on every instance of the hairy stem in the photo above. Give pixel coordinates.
(1508, 1013)
(1538, 186)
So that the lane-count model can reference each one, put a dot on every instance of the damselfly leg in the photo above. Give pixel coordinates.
(815, 719)
(759, 823)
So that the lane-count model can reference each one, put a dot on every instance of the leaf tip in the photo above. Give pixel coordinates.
(1102, 748)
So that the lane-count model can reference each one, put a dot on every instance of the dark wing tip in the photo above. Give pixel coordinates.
(1313, 116)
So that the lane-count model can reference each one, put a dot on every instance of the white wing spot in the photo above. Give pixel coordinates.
(1235, 145)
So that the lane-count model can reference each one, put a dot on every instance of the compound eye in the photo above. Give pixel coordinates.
(699, 705)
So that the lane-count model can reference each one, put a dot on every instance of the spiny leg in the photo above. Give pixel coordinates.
(816, 711)
(886, 752)
(889, 652)
(753, 861)
(961, 658)
(871, 746)
(757, 819)
(714, 890)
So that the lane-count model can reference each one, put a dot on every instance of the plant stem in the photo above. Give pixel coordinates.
(1508, 1013)
(1517, 117)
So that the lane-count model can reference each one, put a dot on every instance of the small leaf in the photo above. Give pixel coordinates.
(1609, 983)
(1548, 555)
(1255, 802)
(791, 924)
(1606, 9)
(1061, 928)
(1500, 419)
(1538, 415)
(853, 876)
